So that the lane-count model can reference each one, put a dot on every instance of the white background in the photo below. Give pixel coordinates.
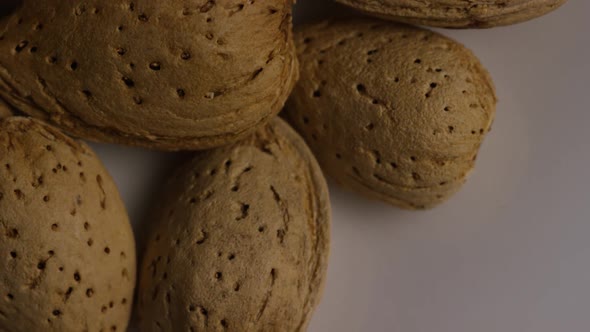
(509, 253)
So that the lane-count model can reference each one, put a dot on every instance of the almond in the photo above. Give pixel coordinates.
(241, 240)
(66, 247)
(169, 75)
(457, 13)
(391, 111)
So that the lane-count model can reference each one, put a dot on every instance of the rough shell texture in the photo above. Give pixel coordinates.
(392, 111)
(241, 242)
(161, 74)
(457, 13)
(67, 253)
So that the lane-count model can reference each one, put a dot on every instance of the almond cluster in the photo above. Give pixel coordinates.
(240, 237)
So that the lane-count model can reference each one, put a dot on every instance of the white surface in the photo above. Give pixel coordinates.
(509, 253)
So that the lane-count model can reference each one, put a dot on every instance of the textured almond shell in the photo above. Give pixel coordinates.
(67, 252)
(392, 111)
(241, 240)
(160, 74)
(457, 13)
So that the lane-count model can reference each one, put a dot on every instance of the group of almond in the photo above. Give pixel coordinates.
(240, 234)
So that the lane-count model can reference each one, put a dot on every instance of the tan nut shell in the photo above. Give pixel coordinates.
(457, 13)
(241, 242)
(67, 253)
(392, 111)
(160, 74)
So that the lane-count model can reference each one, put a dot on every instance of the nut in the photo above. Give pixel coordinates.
(166, 75)
(392, 111)
(241, 240)
(66, 246)
(457, 13)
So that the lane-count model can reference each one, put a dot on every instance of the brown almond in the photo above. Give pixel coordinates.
(67, 253)
(241, 240)
(457, 13)
(168, 75)
(391, 111)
